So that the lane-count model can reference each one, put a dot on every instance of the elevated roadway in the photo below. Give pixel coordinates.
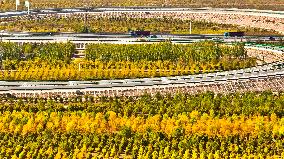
(81, 40)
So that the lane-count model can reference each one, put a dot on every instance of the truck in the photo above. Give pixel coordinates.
(234, 34)
(140, 33)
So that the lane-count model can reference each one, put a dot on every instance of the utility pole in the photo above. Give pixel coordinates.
(190, 27)
(17, 4)
(1, 60)
(1, 35)
(86, 29)
(85, 23)
(27, 4)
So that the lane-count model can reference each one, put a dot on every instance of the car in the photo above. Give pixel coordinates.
(272, 38)
(217, 39)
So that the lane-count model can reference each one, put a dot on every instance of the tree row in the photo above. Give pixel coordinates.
(216, 105)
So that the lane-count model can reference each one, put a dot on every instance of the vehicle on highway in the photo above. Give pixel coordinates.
(234, 34)
(217, 39)
(140, 33)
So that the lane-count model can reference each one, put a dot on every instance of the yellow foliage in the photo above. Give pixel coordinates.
(86, 123)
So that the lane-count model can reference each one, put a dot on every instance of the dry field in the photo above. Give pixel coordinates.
(257, 4)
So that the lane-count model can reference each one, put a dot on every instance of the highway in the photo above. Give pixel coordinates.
(260, 78)
(81, 40)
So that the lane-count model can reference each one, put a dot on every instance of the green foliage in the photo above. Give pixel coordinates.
(197, 52)
(50, 52)
(53, 61)
(140, 144)
(216, 105)
(56, 51)
(10, 51)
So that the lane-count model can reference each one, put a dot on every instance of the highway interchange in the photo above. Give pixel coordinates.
(263, 77)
